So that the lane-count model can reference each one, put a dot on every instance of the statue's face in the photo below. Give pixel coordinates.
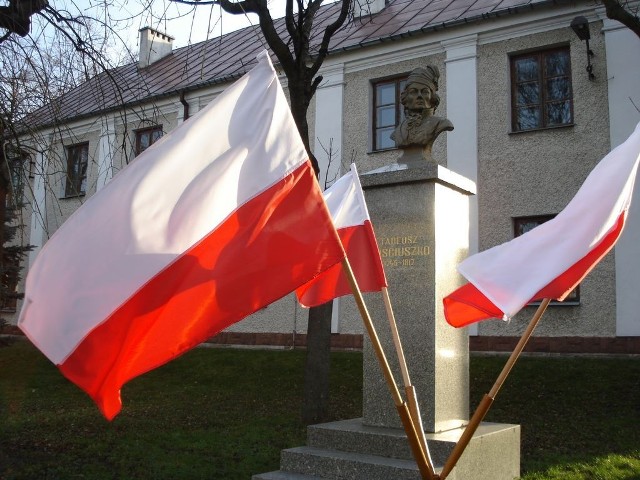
(418, 97)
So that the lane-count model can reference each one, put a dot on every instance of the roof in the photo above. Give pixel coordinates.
(228, 57)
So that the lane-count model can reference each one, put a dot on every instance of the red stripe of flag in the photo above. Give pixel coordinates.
(348, 209)
(216, 220)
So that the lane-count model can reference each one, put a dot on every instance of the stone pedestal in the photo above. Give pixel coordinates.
(420, 215)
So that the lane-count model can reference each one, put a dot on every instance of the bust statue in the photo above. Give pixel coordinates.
(420, 127)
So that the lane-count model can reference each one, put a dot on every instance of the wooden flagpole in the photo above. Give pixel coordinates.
(488, 399)
(410, 390)
(426, 469)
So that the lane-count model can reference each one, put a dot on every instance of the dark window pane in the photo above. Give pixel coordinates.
(541, 89)
(386, 94)
(526, 69)
(386, 112)
(77, 162)
(146, 138)
(383, 138)
(144, 142)
(557, 63)
(558, 88)
(15, 196)
(558, 113)
(524, 226)
(528, 93)
(528, 118)
(386, 116)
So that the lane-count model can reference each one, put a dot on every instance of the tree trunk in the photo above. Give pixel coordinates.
(315, 404)
(617, 11)
(300, 71)
(299, 106)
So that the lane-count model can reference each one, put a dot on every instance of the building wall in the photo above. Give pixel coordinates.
(59, 207)
(538, 172)
(518, 174)
(623, 74)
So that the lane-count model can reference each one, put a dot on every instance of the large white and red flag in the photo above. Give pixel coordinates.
(348, 208)
(216, 220)
(550, 260)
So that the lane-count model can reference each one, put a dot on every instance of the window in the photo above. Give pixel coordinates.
(387, 111)
(147, 137)
(522, 225)
(16, 160)
(14, 197)
(77, 161)
(541, 95)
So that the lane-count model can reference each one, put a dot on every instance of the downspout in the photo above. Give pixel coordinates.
(185, 111)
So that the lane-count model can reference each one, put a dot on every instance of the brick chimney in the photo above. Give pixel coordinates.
(154, 45)
(362, 8)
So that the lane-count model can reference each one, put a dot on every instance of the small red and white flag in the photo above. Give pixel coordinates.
(216, 220)
(550, 260)
(348, 208)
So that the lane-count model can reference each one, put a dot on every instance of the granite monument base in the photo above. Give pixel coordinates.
(351, 450)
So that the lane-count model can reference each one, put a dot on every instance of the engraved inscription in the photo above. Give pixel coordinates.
(402, 250)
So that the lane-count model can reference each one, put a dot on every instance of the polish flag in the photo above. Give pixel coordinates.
(216, 220)
(351, 218)
(550, 260)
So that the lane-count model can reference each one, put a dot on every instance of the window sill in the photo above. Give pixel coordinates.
(555, 303)
(542, 129)
(390, 149)
(68, 197)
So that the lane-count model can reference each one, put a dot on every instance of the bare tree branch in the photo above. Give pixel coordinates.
(328, 34)
(620, 11)
(293, 52)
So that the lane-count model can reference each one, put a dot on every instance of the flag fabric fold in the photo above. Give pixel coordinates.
(553, 258)
(216, 220)
(348, 209)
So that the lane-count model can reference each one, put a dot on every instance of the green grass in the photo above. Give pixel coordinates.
(580, 417)
(227, 414)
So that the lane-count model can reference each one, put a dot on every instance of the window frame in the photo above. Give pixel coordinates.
(573, 298)
(397, 80)
(143, 131)
(540, 54)
(76, 186)
(16, 161)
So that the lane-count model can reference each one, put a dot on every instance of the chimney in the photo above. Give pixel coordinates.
(154, 45)
(363, 8)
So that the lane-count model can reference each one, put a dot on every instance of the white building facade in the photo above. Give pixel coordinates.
(524, 174)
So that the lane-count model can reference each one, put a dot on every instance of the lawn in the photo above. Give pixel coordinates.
(226, 414)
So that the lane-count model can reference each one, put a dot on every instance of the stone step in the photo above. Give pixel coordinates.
(352, 436)
(339, 465)
(349, 450)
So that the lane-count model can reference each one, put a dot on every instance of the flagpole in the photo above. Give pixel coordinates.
(488, 399)
(425, 467)
(410, 390)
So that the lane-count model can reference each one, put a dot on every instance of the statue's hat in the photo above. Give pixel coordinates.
(425, 76)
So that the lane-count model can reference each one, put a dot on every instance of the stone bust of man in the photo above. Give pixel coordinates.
(420, 127)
